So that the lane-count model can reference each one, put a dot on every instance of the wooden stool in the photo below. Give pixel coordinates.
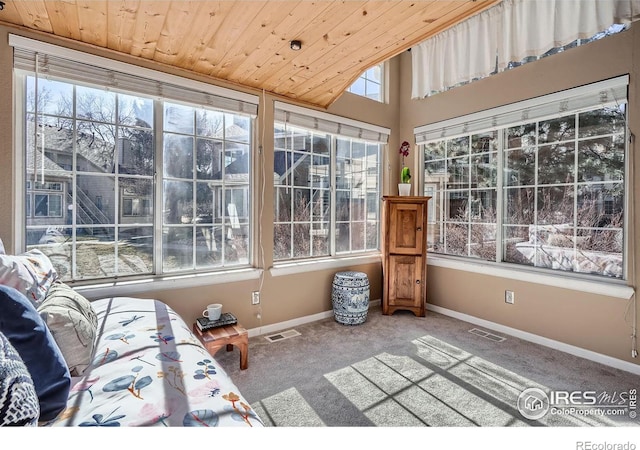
(228, 335)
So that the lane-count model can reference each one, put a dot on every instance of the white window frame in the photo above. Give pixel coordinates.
(174, 86)
(333, 252)
(383, 97)
(539, 108)
(50, 189)
(336, 127)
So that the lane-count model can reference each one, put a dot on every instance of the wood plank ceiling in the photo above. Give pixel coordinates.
(247, 42)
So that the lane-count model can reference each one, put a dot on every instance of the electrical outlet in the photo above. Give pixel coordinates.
(509, 297)
(255, 298)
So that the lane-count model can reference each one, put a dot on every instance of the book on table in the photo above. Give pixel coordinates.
(204, 324)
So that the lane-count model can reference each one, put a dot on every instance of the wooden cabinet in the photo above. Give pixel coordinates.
(404, 254)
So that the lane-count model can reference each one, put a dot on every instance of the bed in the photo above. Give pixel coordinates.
(121, 361)
(148, 369)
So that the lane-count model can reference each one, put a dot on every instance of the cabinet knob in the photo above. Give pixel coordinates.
(419, 229)
(417, 281)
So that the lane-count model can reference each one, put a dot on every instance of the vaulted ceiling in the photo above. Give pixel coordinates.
(247, 42)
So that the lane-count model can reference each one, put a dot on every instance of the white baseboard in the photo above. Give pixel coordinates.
(557, 345)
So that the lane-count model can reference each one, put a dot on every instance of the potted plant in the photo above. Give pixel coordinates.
(404, 187)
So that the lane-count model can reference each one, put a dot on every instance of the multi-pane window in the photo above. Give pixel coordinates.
(311, 218)
(302, 201)
(357, 202)
(464, 171)
(206, 188)
(47, 205)
(46, 199)
(564, 192)
(92, 182)
(547, 193)
(370, 84)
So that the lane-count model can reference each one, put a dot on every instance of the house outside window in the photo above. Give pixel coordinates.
(370, 84)
(91, 181)
(546, 193)
(327, 192)
(46, 198)
(135, 207)
(47, 205)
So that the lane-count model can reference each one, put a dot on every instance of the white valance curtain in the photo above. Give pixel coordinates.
(459, 54)
(508, 32)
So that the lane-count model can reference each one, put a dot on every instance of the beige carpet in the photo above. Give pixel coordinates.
(405, 371)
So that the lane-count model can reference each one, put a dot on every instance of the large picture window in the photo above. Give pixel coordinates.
(122, 183)
(327, 190)
(545, 192)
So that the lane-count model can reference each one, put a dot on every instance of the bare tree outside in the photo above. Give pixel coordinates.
(562, 194)
(307, 222)
(90, 183)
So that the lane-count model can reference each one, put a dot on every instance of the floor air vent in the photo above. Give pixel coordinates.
(282, 336)
(487, 335)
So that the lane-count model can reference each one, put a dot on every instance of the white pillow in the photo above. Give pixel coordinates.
(73, 324)
(30, 273)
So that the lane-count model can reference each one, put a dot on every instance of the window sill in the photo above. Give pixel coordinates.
(612, 288)
(323, 264)
(129, 288)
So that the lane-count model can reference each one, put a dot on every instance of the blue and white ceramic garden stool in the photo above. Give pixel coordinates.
(350, 297)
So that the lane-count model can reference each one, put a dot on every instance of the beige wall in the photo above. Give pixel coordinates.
(594, 322)
(282, 298)
(6, 149)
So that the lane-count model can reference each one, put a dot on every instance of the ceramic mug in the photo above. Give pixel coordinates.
(213, 311)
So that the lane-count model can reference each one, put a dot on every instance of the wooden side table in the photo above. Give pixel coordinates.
(228, 335)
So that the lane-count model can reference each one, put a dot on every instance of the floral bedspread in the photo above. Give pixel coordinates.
(149, 369)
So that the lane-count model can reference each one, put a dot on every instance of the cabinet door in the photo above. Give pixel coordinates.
(406, 228)
(405, 284)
